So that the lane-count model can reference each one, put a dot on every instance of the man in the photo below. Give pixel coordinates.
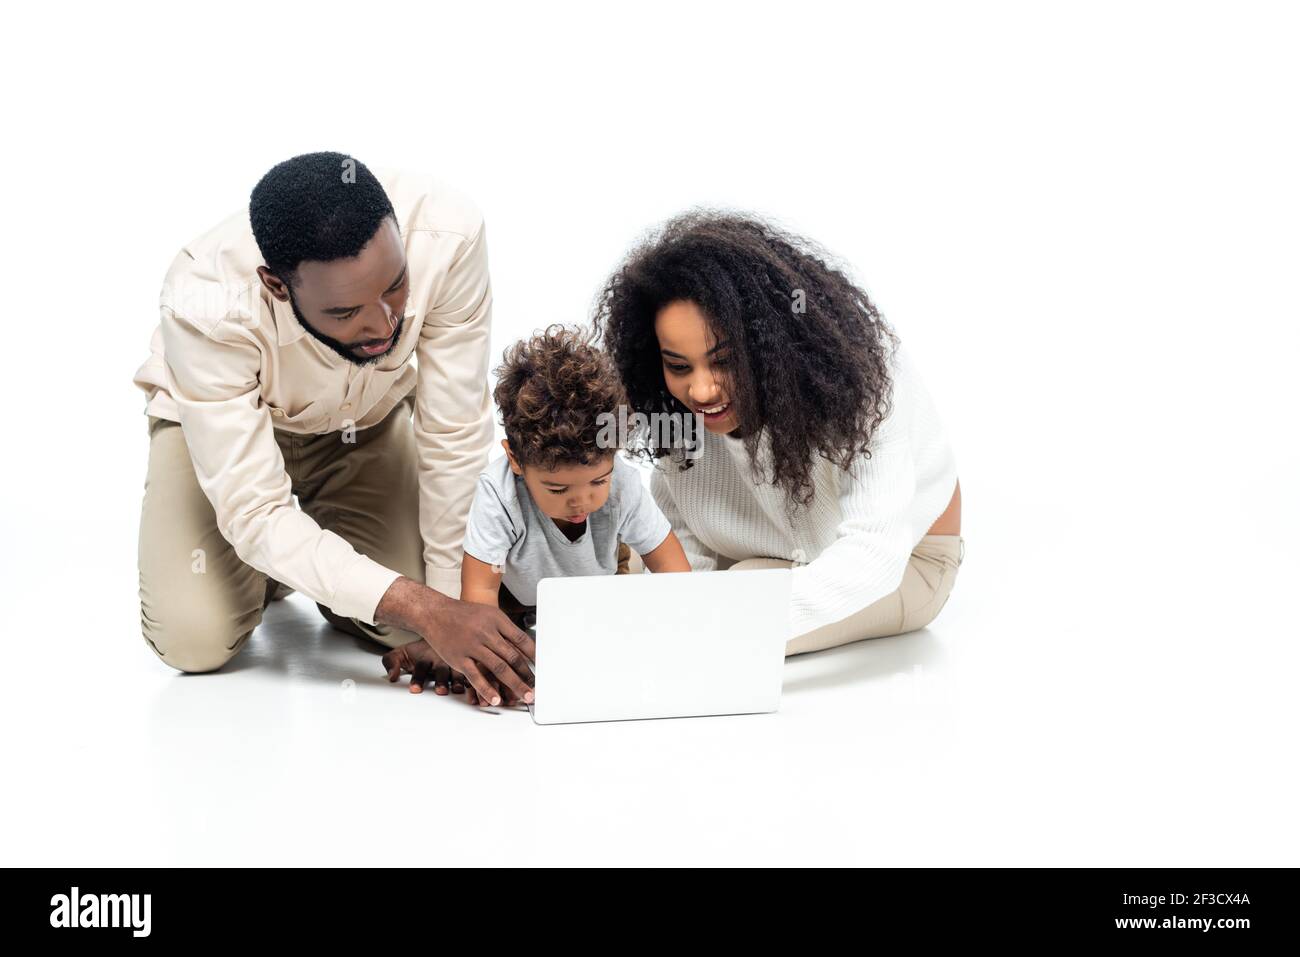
(281, 367)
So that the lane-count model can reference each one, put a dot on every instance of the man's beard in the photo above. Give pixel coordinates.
(342, 348)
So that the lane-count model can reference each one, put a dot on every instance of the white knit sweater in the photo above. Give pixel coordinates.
(851, 544)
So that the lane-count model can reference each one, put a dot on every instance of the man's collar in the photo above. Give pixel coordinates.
(287, 327)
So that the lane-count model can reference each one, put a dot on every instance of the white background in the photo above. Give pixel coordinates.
(1081, 218)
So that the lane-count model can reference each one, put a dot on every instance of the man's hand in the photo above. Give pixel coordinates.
(482, 643)
(418, 660)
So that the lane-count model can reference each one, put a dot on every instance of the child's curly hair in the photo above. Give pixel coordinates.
(551, 390)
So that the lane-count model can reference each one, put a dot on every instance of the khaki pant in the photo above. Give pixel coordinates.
(198, 608)
(927, 583)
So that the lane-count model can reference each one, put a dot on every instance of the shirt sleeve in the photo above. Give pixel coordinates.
(453, 410)
(642, 526)
(213, 376)
(874, 539)
(702, 558)
(490, 532)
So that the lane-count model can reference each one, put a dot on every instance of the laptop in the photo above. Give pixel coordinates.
(629, 647)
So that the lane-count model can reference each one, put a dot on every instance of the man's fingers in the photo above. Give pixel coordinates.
(483, 689)
(420, 675)
(457, 683)
(517, 636)
(517, 661)
(441, 678)
(507, 676)
(392, 664)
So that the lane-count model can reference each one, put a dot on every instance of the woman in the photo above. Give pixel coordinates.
(821, 448)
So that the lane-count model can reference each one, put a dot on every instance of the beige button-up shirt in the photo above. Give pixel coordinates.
(230, 363)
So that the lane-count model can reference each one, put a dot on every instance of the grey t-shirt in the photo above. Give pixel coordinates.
(506, 528)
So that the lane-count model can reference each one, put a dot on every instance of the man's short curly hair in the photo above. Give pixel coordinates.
(552, 390)
(317, 206)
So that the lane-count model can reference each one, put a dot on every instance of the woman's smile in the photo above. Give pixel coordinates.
(714, 413)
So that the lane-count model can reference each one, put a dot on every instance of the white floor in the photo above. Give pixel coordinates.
(1036, 722)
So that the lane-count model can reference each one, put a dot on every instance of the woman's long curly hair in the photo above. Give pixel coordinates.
(818, 379)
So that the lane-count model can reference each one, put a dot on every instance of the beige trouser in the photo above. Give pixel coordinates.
(927, 582)
(198, 608)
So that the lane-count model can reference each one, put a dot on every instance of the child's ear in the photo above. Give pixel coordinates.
(514, 466)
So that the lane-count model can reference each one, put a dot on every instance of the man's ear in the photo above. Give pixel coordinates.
(273, 283)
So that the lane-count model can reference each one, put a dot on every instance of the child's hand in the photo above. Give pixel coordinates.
(422, 663)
